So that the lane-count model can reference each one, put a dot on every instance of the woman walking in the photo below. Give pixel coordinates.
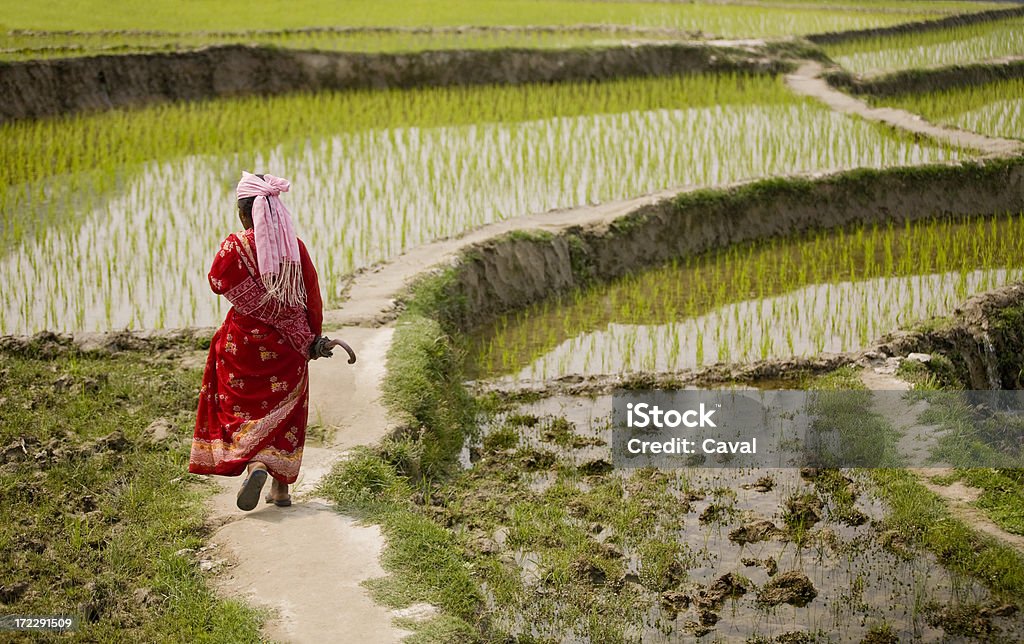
(254, 400)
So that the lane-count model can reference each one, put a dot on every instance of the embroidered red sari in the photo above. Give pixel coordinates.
(254, 401)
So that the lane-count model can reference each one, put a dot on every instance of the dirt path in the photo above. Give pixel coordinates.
(807, 81)
(371, 295)
(958, 496)
(305, 563)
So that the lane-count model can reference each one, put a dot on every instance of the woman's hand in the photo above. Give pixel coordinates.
(339, 343)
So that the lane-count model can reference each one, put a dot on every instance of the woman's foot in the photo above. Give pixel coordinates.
(249, 494)
(279, 494)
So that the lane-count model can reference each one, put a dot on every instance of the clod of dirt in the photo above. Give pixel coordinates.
(792, 587)
(586, 570)
(92, 609)
(759, 530)
(115, 441)
(803, 510)
(18, 450)
(769, 564)
(698, 630)
(609, 551)
(536, 459)
(764, 484)
(484, 545)
(595, 467)
(727, 586)
(144, 596)
(963, 620)
(10, 593)
(881, 635)
(896, 543)
(715, 512)
(809, 473)
(1002, 610)
(675, 600)
(159, 431)
(707, 617)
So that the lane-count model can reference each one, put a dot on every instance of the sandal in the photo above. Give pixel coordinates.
(281, 503)
(249, 494)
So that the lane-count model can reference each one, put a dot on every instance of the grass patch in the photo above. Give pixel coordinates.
(923, 518)
(424, 556)
(96, 520)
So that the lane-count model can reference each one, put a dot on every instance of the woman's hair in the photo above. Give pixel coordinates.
(245, 205)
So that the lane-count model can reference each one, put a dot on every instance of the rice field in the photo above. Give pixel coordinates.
(367, 193)
(724, 19)
(994, 109)
(954, 46)
(20, 46)
(779, 299)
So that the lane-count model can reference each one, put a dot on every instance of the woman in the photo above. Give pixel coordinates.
(255, 395)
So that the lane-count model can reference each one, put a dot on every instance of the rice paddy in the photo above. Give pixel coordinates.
(954, 46)
(994, 109)
(782, 298)
(387, 181)
(712, 18)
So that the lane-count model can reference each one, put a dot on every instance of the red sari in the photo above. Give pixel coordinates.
(254, 400)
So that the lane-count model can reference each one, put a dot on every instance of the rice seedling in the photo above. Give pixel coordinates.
(781, 298)
(760, 19)
(440, 162)
(954, 46)
(995, 109)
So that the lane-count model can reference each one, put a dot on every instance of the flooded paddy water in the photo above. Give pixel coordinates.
(136, 256)
(573, 550)
(830, 292)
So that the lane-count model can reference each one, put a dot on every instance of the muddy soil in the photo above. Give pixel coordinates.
(752, 568)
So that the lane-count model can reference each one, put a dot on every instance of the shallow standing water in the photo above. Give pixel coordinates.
(830, 292)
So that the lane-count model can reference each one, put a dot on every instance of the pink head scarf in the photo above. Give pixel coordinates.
(277, 247)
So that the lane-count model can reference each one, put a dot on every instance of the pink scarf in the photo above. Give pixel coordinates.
(277, 247)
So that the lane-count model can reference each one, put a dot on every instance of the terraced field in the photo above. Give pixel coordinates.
(994, 109)
(498, 245)
(386, 171)
(951, 46)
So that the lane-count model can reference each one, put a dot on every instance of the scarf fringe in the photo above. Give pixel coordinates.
(286, 286)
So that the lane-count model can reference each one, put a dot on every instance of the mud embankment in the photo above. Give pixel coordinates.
(520, 268)
(40, 88)
(833, 37)
(984, 339)
(920, 81)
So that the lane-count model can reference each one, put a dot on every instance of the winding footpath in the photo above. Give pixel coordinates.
(306, 563)
(807, 81)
